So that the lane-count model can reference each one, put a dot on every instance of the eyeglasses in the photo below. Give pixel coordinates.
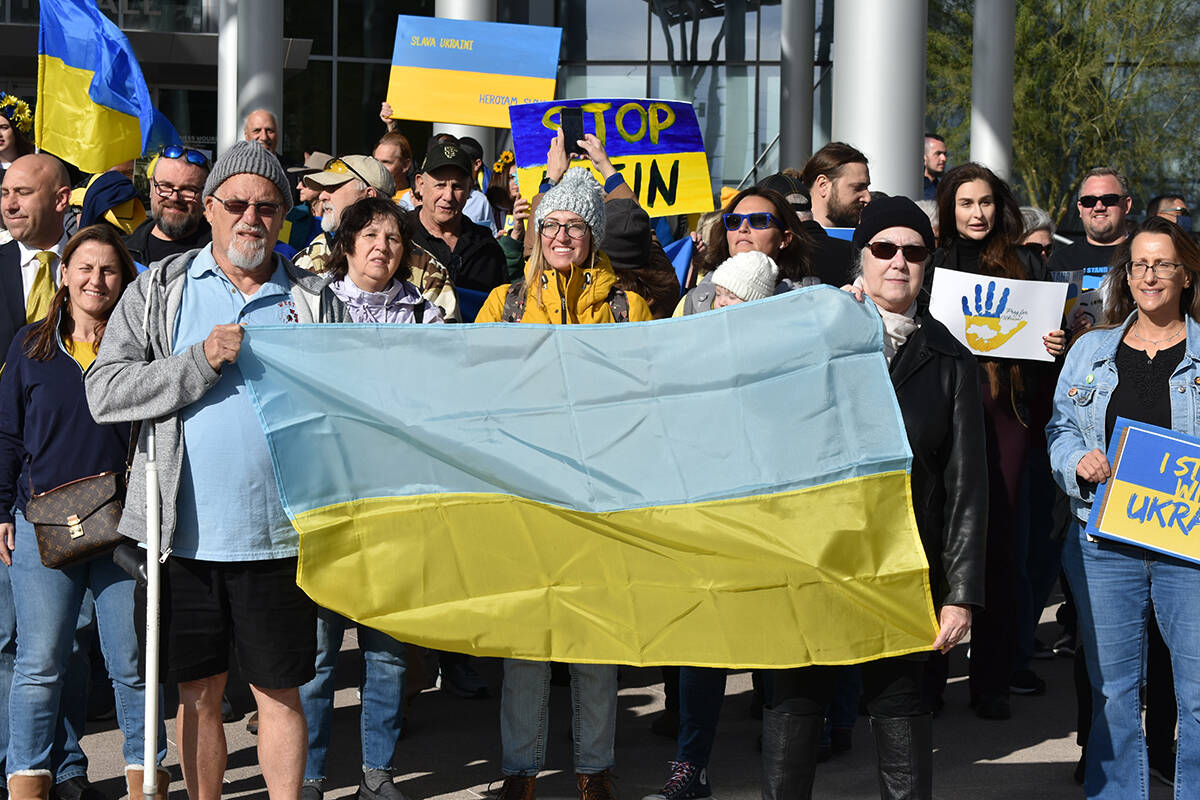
(1107, 200)
(1175, 210)
(187, 194)
(191, 156)
(759, 220)
(238, 207)
(1044, 250)
(575, 230)
(342, 168)
(1161, 269)
(886, 251)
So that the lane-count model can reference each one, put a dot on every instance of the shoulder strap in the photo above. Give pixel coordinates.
(419, 312)
(618, 303)
(514, 301)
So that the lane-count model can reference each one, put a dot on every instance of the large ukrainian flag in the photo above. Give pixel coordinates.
(729, 489)
(93, 107)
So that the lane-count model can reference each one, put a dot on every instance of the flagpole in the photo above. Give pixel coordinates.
(153, 547)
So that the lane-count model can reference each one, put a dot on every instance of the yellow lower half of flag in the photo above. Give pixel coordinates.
(469, 98)
(1152, 519)
(73, 127)
(671, 183)
(780, 580)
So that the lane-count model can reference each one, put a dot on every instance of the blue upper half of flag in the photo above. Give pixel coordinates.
(498, 48)
(777, 395)
(78, 34)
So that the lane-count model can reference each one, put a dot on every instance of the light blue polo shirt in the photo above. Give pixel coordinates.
(228, 506)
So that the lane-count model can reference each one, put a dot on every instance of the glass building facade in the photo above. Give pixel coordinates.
(722, 56)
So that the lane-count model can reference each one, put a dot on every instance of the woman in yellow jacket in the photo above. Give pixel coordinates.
(567, 281)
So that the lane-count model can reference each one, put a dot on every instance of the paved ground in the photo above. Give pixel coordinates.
(451, 748)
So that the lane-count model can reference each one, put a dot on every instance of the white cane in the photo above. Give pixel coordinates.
(153, 546)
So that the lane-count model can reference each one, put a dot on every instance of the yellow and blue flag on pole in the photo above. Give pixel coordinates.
(93, 107)
(729, 489)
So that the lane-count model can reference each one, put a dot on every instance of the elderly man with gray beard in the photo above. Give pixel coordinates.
(230, 575)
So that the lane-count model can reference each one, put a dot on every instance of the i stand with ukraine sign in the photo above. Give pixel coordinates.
(1152, 499)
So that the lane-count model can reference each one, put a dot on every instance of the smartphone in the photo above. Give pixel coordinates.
(572, 128)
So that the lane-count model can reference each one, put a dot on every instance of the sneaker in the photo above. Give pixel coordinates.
(377, 784)
(1026, 681)
(461, 678)
(517, 787)
(686, 781)
(77, 788)
(312, 790)
(595, 786)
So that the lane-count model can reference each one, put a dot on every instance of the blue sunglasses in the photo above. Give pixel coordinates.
(192, 156)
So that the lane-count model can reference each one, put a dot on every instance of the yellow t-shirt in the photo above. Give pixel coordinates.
(82, 352)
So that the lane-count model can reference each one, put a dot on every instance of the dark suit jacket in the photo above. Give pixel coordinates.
(12, 295)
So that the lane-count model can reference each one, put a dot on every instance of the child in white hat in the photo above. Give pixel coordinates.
(744, 277)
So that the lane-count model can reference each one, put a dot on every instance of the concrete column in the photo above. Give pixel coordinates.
(478, 11)
(992, 58)
(796, 82)
(879, 88)
(249, 65)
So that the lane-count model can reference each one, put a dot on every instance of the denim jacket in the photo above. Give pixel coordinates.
(1085, 385)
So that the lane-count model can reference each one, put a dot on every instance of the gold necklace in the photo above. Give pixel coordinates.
(1144, 340)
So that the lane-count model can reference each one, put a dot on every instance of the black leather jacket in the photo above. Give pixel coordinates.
(937, 384)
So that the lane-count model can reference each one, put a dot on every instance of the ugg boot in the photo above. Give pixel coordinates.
(134, 777)
(30, 784)
(905, 749)
(789, 754)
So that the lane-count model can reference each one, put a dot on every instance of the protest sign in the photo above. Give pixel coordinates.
(1152, 499)
(1089, 309)
(997, 317)
(448, 70)
(656, 145)
(1074, 280)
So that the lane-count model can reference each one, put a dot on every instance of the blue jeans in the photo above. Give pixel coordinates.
(525, 712)
(382, 714)
(701, 693)
(48, 604)
(1113, 585)
(8, 651)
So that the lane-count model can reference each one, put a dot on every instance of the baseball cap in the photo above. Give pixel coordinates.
(315, 162)
(340, 170)
(791, 188)
(447, 155)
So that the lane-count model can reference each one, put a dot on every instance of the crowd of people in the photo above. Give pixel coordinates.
(115, 316)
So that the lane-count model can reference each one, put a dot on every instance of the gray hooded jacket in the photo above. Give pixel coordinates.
(125, 385)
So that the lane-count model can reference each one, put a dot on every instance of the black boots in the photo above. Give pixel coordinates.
(905, 749)
(789, 754)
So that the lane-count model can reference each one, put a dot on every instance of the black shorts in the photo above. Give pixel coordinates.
(255, 605)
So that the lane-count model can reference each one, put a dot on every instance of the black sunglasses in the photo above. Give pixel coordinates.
(886, 251)
(1108, 200)
(1044, 250)
(191, 156)
(759, 220)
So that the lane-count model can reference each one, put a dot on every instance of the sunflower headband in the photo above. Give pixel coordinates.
(17, 111)
(505, 159)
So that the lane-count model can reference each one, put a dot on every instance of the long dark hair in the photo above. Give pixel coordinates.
(793, 259)
(998, 256)
(41, 343)
(1118, 299)
(359, 216)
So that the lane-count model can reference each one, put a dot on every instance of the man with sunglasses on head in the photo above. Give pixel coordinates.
(176, 223)
(342, 183)
(1103, 204)
(170, 355)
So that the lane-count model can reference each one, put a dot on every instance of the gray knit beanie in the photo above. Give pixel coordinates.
(750, 275)
(579, 193)
(252, 158)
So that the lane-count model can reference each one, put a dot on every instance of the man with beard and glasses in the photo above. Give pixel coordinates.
(176, 223)
(230, 570)
(838, 181)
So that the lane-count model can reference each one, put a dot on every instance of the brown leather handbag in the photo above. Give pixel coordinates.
(78, 520)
